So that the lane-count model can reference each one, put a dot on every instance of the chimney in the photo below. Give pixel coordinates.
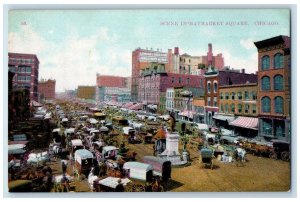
(243, 71)
(176, 51)
(209, 54)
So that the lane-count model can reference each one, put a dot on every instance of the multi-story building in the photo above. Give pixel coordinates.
(155, 80)
(170, 94)
(198, 105)
(106, 94)
(141, 58)
(47, 89)
(215, 79)
(86, 92)
(274, 63)
(26, 69)
(162, 103)
(238, 102)
(113, 81)
(196, 64)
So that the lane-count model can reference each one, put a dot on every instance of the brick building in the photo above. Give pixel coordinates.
(47, 89)
(155, 80)
(215, 79)
(113, 81)
(274, 63)
(141, 58)
(86, 92)
(26, 69)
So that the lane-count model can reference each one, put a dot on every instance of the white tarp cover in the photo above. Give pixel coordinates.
(113, 182)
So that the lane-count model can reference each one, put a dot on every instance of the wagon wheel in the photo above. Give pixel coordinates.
(138, 188)
(273, 155)
(285, 156)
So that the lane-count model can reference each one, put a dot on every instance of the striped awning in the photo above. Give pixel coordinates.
(136, 106)
(187, 113)
(245, 122)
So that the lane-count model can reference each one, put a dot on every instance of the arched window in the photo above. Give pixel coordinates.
(208, 87)
(278, 103)
(222, 108)
(232, 108)
(246, 95)
(215, 87)
(266, 104)
(265, 62)
(265, 83)
(221, 96)
(226, 108)
(233, 95)
(226, 96)
(278, 61)
(278, 82)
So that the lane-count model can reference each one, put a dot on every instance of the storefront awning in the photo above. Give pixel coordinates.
(187, 113)
(245, 122)
(224, 117)
(137, 106)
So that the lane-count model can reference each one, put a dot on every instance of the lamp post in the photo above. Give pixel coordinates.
(186, 94)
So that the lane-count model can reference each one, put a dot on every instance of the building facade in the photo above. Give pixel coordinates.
(115, 94)
(113, 81)
(274, 63)
(141, 58)
(152, 83)
(47, 89)
(26, 69)
(215, 79)
(86, 92)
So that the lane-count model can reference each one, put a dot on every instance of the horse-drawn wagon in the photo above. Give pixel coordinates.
(161, 167)
(83, 161)
(207, 156)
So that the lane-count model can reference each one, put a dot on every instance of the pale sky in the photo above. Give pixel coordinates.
(72, 46)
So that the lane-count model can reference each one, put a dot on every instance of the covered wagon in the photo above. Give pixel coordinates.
(83, 161)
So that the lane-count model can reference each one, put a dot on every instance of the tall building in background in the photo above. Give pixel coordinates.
(47, 89)
(274, 81)
(86, 92)
(141, 58)
(113, 88)
(26, 70)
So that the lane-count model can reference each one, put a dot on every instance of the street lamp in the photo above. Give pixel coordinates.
(186, 94)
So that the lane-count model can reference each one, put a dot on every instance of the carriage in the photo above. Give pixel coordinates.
(83, 161)
(138, 171)
(161, 167)
(281, 150)
(207, 156)
(240, 156)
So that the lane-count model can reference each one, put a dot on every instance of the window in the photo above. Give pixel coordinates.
(221, 96)
(266, 126)
(265, 62)
(265, 83)
(246, 95)
(253, 109)
(240, 108)
(12, 68)
(278, 82)
(208, 101)
(215, 87)
(226, 108)
(188, 80)
(226, 96)
(215, 102)
(240, 97)
(232, 108)
(173, 79)
(254, 96)
(28, 69)
(266, 104)
(179, 80)
(279, 127)
(247, 108)
(278, 61)
(233, 95)
(278, 103)
(208, 87)
(222, 108)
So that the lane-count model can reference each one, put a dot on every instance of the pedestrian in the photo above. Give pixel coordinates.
(64, 166)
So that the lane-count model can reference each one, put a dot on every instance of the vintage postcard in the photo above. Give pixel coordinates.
(149, 100)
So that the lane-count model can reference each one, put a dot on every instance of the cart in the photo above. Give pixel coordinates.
(207, 156)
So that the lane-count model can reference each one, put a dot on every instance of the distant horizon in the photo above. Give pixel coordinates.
(73, 46)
